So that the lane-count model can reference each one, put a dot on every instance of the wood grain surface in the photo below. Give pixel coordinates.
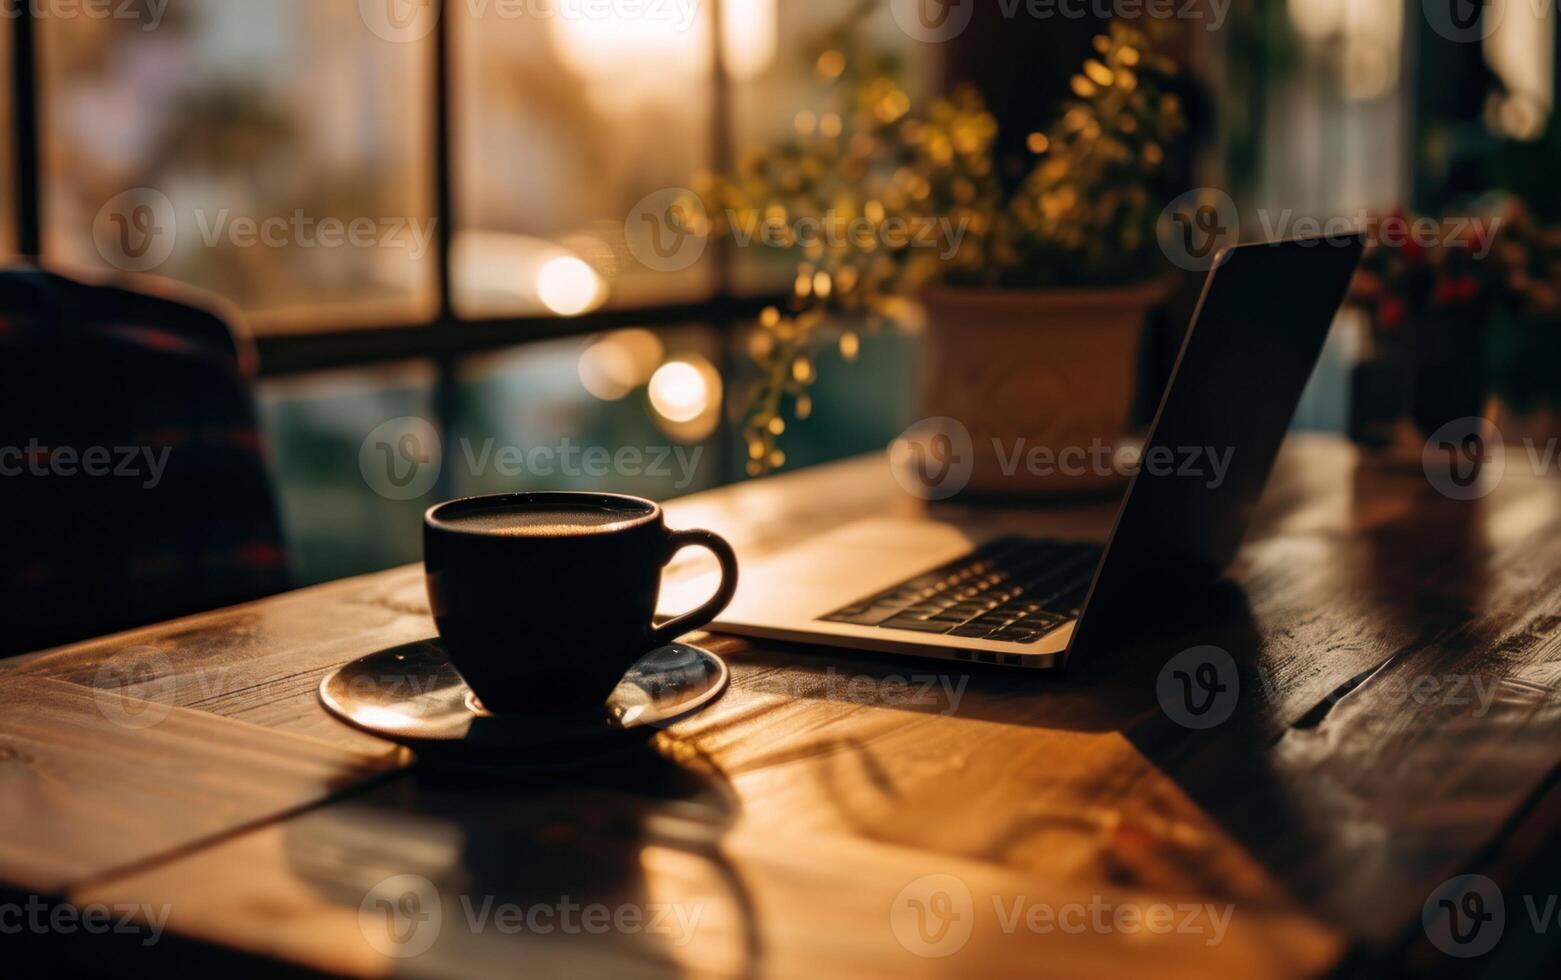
(1397, 718)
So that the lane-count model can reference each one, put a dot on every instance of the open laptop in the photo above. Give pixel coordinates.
(933, 589)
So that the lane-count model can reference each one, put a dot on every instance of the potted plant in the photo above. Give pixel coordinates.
(1426, 298)
(1465, 326)
(1031, 296)
(1525, 325)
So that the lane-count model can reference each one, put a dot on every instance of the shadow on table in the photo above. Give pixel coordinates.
(617, 867)
(1107, 690)
(1266, 745)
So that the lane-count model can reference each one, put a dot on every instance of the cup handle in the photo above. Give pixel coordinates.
(661, 635)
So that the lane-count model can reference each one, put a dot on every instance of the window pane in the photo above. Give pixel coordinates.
(629, 412)
(344, 510)
(568, 117)
(275, 153)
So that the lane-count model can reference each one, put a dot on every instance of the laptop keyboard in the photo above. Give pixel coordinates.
(1014, 589)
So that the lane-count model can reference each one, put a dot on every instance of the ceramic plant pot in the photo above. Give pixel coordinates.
(1043, 381)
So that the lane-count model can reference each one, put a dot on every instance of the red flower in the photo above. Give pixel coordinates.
(1480, 238)
(1460, 289)
(1398, 229)
(1392, 313)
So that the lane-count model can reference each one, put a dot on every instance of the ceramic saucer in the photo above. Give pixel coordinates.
(412, 695)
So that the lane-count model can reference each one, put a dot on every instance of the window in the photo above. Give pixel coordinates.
(563, 125)
(276, 154)
(289, 156)
(464, 267)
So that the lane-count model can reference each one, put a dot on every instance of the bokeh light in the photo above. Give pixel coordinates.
(617, 363)
(748, 37)
(1317, 19)
(685, 397)
(569, 286)
(678, 392)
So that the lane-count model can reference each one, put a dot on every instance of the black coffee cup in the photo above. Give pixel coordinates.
(545, 600)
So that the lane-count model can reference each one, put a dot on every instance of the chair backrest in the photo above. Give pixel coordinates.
(133, 484)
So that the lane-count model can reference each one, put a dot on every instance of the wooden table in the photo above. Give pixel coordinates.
(837, 814)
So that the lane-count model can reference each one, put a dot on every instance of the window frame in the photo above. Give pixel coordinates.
(446, 335)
